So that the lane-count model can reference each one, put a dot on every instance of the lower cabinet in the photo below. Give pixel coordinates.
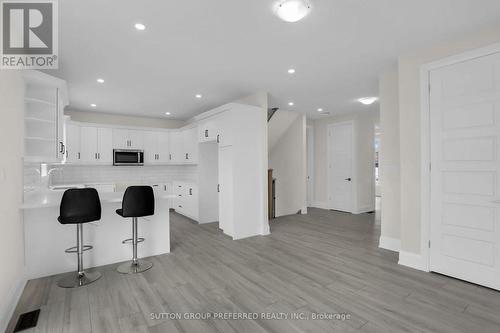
(186, 199)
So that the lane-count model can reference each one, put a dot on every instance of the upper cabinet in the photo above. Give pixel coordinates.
(156, 147)
(190, 145)
(128, 139)
(208, 130)
(96, 145)
(45, 99)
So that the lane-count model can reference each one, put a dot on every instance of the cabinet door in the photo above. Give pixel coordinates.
(72, 142)
(60, 125)
(105, 145)
(88, 144)
(224, 129)
(176, 148)
(190, 143)
(226, 190)
(136, 139)
(150, 147)
(120, 139)
(163, 149)
(192, 201)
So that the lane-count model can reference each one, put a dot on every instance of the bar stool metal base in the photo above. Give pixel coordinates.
(130, 268)
(74, 280)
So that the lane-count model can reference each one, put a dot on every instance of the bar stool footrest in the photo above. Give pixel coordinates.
(130, 240)
(74, 249)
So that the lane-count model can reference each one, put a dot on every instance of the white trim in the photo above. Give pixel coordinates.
(321, 205)
(425, 177)
(364, 209)
(310, 131)
(11, 302)
(354, 191)
(412, 260)
(388, 243)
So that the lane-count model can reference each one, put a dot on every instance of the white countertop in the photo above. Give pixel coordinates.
(45, 199)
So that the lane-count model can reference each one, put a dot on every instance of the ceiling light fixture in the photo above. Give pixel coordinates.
(292, 10)
(100, 80)
(291, 71)
(198, 96)
(93, 105)
(140, 26)
(168, 113)
(367, 100)
(291, 103)
(320, 110)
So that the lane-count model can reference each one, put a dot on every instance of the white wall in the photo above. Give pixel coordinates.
(122, 120)
(11, 184)
(288, 160)
(364, 124)
(410, 108)
(389, 161)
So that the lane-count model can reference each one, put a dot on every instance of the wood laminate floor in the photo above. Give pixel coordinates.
(323, 262)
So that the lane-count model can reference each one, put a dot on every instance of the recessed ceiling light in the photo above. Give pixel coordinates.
(291, 103)
(198, 96)
(367, 100)
(291, 71)
(140, 26)
(320, 110)
(93, 105)
(168, 113)
(292, 10)
(100, 80)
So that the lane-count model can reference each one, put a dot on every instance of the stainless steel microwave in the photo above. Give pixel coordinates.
(128, 157)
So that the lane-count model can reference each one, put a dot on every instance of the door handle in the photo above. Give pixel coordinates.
(206, 133)
(348, 179)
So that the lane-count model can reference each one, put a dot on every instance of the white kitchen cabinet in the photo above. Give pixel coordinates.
(225, 189)
(190, 145)
(176, 147)
(45, 98)
(96, 145)
(72, 143)
(156, 148)
(128, 139)
(208, 130)
(225, 124)
(186, 200)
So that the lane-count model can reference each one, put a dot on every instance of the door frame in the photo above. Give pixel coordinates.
(310, 163)
(423, 263)
(354, 205)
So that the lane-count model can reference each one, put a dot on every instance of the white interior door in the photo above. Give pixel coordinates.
(465, 177)
(340, 154)
(310, 165)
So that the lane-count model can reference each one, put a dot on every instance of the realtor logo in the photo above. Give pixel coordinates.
(29, 34)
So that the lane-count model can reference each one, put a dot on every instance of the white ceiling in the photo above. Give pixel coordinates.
(227, 49)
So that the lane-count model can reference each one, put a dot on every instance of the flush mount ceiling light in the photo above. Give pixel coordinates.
(168, 113)
(198, 96)
(93, 105)
(320, 110)
(140, 26)
(292, 10)
(291, 71)
(367, 100)
(100, 80)
(291, 104)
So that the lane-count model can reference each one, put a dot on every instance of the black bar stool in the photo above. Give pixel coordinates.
(138, 201)
(79, 206)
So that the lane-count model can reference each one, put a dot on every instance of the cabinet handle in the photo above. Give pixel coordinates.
(180, 206)
(187, 156)
(206, 133)
(99, 156)
(218, 138)
(190, 191)
(78, 155)
(170, 157)
(218, 187)
(66, 154)
(96, 156)
(61, 147)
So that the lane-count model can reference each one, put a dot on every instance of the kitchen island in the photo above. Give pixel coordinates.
(46, 239)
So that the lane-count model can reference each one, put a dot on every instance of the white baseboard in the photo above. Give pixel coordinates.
(319, 204)
(364, 209)
(388, 243)
(412, 260)
(10, 303)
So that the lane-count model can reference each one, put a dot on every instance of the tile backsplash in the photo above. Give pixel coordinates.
(88, 174)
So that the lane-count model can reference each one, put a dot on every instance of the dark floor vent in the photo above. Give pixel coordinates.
(27, 320)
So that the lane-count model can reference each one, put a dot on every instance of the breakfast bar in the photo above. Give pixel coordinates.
(46, 239)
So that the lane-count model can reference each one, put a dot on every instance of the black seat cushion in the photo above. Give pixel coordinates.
(80, 206)
(138, 201)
